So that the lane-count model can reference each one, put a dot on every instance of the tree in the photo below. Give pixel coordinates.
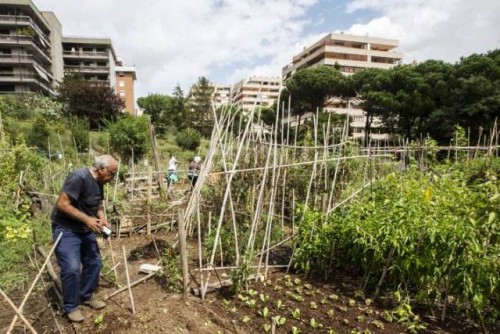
(475, 92)
(201, 106)
(94, 101)
(178, 108)
(129, 137)
(311, 87)
(370, 85)
(157, 107)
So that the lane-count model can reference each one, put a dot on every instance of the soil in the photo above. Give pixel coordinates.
(160, 308)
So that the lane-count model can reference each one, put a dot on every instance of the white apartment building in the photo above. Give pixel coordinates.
(256, 91)
(222, 95)
(352, 54)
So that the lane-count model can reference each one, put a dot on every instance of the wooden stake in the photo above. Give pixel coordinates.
(13, 322)
(18, 312)
(129, 286)
(131, 297)
(183, 250)
(148, 229)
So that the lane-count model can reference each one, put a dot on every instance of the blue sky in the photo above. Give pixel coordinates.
(174, 42)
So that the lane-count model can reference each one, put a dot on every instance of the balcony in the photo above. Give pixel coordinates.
(24, 21)
(86, 69)
(85, 55)
(13, 59)
(26, 41)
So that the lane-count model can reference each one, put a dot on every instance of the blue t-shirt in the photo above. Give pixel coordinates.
(85, 194)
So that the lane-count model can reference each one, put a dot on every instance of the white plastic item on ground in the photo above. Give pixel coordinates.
(148, 268)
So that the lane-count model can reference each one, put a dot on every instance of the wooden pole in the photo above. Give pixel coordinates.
(148, 229)
(130, 285)
(183, 249)
(13, 322)
(18, 312)
(131, 297)
(112, 256)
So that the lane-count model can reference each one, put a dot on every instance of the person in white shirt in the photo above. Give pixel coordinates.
(172, 168)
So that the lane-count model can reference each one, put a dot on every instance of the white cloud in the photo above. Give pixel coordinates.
(429, 29)
(174, 42)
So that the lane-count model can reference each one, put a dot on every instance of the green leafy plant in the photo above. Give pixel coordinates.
(129, 137)
(296, 314)
(264, 312)
(188, 139)
(315, 324)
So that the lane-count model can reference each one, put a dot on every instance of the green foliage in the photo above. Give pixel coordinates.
(188, 139)
(158, 107)
(44, 107)
(227, 247)
(84, 99)
(312, 86)
(240, 275)
(12, 106)
(16, 226)
(39, 135)
(441, 227)
(80, 131)
(171, 268)
(200, 105)
(129, 137)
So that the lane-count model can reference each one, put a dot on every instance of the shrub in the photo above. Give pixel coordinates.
(80, 131)
(188, 139)
(129, 137)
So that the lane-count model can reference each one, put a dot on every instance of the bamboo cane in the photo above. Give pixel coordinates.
(13, 322)
(131, 296)
(18, 312)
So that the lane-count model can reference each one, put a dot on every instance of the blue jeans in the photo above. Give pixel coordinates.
(75, 250)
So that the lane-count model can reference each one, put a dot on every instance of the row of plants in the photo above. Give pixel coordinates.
(17, 225)
(434, 235)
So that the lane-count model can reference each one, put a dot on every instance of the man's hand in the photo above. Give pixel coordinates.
(95, 224)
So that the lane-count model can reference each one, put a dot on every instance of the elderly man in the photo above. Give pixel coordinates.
(79, 215)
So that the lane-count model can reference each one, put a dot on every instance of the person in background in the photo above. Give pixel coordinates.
(78, 214)
(194, 170)
(172, 171)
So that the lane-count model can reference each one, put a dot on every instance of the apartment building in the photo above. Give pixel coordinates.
(256, 91)
(35, 56)
(351, 54)
(125, 85)
(222, 95)
(28, 47)
(93, 58)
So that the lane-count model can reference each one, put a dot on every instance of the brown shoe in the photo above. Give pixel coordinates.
(75, 316)
(96, 304)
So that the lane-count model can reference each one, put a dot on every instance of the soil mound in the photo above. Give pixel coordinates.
(151, 250)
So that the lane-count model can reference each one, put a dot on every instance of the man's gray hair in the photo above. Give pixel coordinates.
(101, 161)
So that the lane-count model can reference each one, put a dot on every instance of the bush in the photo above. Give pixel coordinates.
(188, 139)
(129, 137)
(39, 135)
(80, 131)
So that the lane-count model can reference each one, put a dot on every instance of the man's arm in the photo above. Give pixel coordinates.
(102, 217)
(63, 204)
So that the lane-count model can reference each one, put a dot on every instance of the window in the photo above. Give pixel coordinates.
(121, 83)
(122, 94)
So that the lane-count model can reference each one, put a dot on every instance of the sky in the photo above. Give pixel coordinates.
(174, 42)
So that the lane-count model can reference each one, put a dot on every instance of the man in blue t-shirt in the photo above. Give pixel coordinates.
(79, 215)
